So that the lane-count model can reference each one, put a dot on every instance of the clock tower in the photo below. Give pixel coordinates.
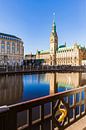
(53, 44)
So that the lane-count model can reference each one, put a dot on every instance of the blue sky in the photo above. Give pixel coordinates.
(32, 21)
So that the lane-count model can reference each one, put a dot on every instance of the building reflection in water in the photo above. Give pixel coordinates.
(18, 88)
(11, 89)
(65, 80)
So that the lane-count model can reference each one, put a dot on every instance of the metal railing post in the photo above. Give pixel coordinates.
(8, 119)
(4, 124)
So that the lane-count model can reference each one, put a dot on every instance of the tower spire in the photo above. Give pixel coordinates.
(53, 43)
(54, 24)
(53, 16)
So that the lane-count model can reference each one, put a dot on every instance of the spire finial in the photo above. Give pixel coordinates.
(53, 16)
(54, 25)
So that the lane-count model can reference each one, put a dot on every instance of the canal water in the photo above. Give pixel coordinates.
(19, 88)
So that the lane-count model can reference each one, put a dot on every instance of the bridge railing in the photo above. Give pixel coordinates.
(61, 109)
(42, 68)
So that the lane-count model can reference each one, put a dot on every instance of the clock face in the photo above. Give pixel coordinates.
(51, 40)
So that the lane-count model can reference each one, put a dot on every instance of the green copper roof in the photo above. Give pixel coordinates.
(64, 48)
(54, 27)
(61, 46)
(44, 52)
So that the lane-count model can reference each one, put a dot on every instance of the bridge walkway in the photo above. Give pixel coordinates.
(79, 125)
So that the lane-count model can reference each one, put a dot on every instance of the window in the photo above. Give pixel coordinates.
(8, 47)
(18, 47)
(2, 46)
(13, 47)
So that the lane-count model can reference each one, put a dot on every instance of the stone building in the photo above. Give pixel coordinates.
(11, 49)
(61, 55)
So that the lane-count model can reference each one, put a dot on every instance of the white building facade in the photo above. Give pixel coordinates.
(11, 49)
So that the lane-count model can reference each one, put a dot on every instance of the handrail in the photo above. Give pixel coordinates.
(74, 103)
(45, 99)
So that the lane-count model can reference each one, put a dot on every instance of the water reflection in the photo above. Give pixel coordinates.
(65, 81)
(11, 89)
(18, 88)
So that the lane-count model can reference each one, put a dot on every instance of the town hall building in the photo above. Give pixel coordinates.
(61, 55)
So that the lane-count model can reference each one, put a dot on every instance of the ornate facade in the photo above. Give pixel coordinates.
(62, 55)
(11, 49)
